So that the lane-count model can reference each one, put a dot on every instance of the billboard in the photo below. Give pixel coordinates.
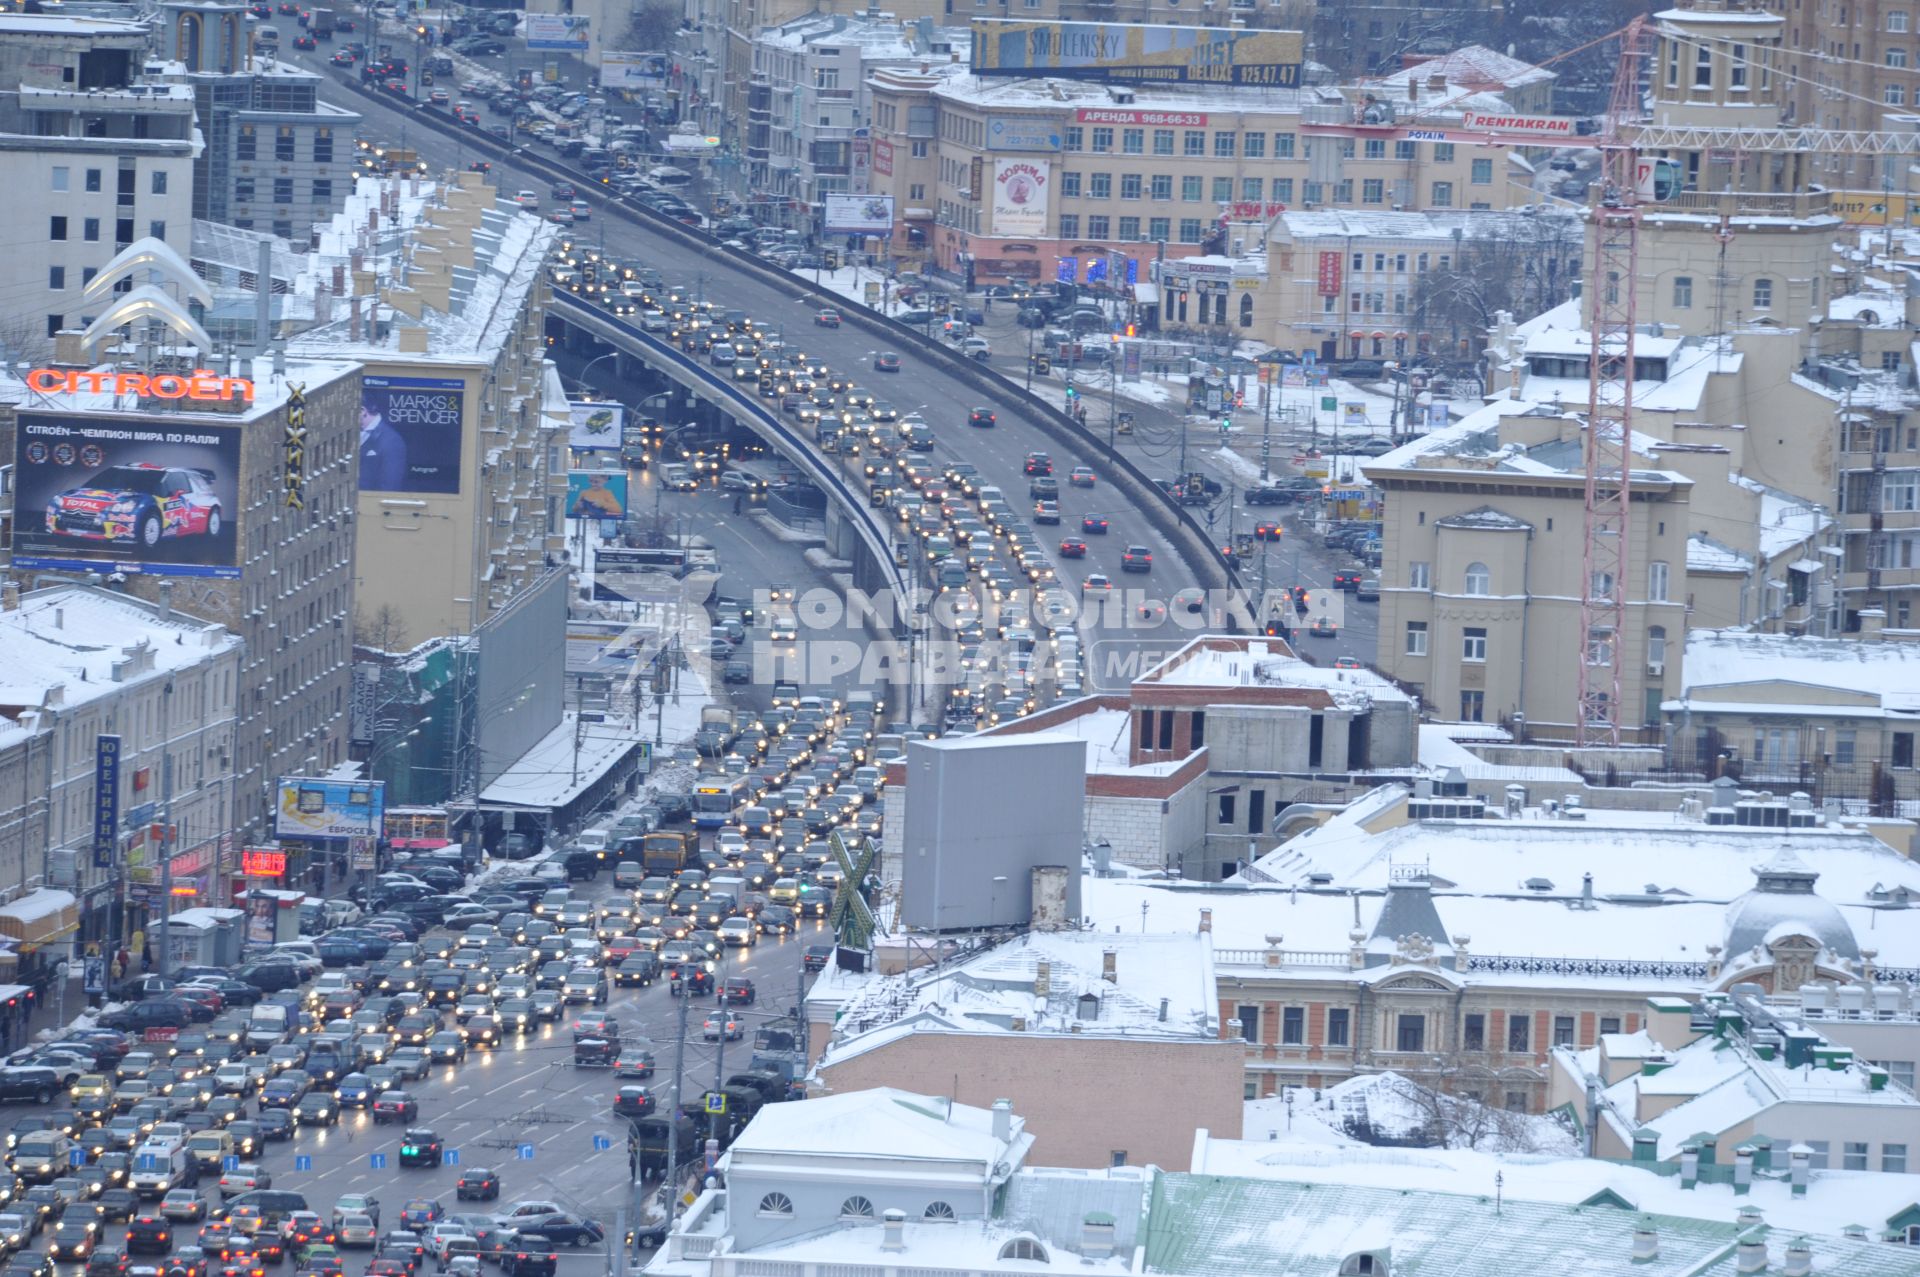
(970, 864)
(1021, 133)
(634, 70)
(1124, 51)
(1020, 197)
(595, 426)
(410, 433)
(859, 215)
(313, 808)
(596, 494)
(560, 32)
(126, 494)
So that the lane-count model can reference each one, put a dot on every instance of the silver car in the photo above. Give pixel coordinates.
(358, 1230)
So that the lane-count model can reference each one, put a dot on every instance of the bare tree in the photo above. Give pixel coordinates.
(1523, 266)
(1442, 1108)
(652, 26)
(385, 630)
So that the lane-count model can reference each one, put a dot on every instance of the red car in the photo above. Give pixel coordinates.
(141, 503)
(1093, 523)
(1073, 548)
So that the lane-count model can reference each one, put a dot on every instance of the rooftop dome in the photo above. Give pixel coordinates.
(1783, 903)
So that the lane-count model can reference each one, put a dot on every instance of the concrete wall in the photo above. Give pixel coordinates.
(1150, 1098)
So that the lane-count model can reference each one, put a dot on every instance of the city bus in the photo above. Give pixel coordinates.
(716, 798)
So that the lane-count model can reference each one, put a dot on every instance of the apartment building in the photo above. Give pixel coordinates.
(1004, 179)
(808, 104)
(439, 292)
(275, 156)
(101, 158)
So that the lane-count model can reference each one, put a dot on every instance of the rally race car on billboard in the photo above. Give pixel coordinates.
(140, 503)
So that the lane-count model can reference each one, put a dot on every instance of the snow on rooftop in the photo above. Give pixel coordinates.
(73, 636)
(1440, 747)
(1704, 554)
(883, 1123)
(1438, 226)
(547, 775)
(1887, 674)
(1228, 662)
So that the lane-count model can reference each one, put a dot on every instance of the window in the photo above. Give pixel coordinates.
(1028, 1248)
(1657, 647)
(1196, 730)
(1375, 149)
(1070, 185)
(1254, 146)
(323, 146)
(1250, 189)
(919, 148)
(1130, 186)
(1682, 292)
(1194, 142)
(56, 228)
(1821, 1151)
(1519, 1034)
(1563, 1030)
(1473, 1034)
(1100, 186)
(56, 277)
(916, 190)
(1073, 142)
(1405, 150)
(243, 190)
(159, 182)
(1416, 638)
(1373, 191)
(1338, 1020)
(1097, 226)
(1763, 294)
(1163, 141)
(1737, 69)
(1189, 230)
(90, 230)
(1845, 741)
(1069, 226)
(1703, 68)
(1159, 229)
(1897, 21)
(1343, 191)
(1293, 1026)
(1133, 141)
(1283, 146)
(1410, 1033)
(157, 229)
(1224, 808)
(1473, 707)
(1129, 228)
(856, 1207)
(55, 323)
(1442, 195)
(1516, 1102)
(1223, 145)
(1249, 1017)
(1190, 189)
(62, 176)
(322, 190)
(1609, 1024)
(283, 190)
(1894, 95)
(1656, 582)
(1903, 750)
(939, 1212)
(1897, 58)
(1479, 579)
(1222, 190)
(1481, 173)
(1853, 1156)
(776, 1204)
(1419, 576)
(1161, 187)
(1893, 1159)
(93, 180)
(1102, 140)
(1282, 190)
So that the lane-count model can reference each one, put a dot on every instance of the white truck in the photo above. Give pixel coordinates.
(268, 1025)
(158, 1169)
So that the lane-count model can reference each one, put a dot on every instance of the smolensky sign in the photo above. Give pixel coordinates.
(1126, 51)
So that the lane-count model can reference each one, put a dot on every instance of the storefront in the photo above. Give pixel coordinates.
(36, 931)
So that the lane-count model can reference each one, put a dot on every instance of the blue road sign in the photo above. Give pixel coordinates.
(76, 1157)
(601, 1143)
(229, 1163)
(302, 1162)
(377, 1161)
(451, 1157)
(146, 1162)
(716, 1102)
(524, 1152)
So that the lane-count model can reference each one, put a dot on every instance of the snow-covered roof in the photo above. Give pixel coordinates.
(991, 991)
(72, 637)
(1472, 66)
(1225, 661)
(1437, 226)
(1056, 94)
(1704, 554)
(1441, 747)
(1883, 674)
(882, 1123)
(546, 776)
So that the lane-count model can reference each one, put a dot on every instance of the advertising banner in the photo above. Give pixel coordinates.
(1020, 197)
(134, 494)
(260, 914)
(1164, 119)
(311, 808)
(106, 799)
(1020, 133)
(410, 433)
(560, 32)
(634, 70)
(1329, 279)
(1123, 51)
(595, 426)
(883, 158)
(859, 215)
(596, 494)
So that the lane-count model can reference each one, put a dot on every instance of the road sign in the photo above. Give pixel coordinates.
(716, 1102)
(377, 1161)
(303, 1162)
(146, 1162)
(601, 1143)
(523, 1152)
(230, 1163)
(76, 1157)
(450, 1158)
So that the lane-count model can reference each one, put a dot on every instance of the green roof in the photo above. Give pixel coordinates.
(1217, 1226)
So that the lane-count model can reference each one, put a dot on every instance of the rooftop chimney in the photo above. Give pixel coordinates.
(1751, 1258)
(1799, 1259)
(1003, 1121)
(1799, 1163)
(163, 611)
(1042, 978)
(1109, 968)
(339, 279)
(893, 1229)
(1646, 1244)
(10, 597)
(1096, 1236)
(1163, 1010)
(1206, 922)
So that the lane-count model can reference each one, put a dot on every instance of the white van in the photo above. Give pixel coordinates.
(158, 1169)
(596, 839)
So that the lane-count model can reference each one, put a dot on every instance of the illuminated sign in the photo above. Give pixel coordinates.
(257, 863)
(1110, 51)
(201, 384)
(296, 447)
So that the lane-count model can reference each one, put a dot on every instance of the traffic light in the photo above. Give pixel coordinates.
(1072, 394)
(1132, 331)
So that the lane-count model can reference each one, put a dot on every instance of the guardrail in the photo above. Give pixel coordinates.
(827, 475)
(1189, 539)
